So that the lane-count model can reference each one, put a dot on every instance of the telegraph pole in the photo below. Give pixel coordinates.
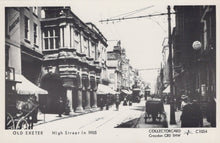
(172, 112)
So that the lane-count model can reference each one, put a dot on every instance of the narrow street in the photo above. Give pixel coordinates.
(126, 117)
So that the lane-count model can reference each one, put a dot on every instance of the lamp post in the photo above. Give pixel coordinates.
(172, 112)
(196, 45)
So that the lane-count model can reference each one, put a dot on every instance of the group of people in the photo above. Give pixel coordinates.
(106, 103)
(192, 115)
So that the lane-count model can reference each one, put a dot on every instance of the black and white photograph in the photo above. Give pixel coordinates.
(80, 68)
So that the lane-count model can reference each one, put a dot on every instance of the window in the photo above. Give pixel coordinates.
(92, 50)
(35, 34)
(51, 39)
(26, 28)
(77, 41)
(85, 46)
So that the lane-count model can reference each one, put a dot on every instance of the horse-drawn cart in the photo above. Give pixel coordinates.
(21, 103)
(22, 114)
(154, 110)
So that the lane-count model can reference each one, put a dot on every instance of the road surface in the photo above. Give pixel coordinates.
(126, 117)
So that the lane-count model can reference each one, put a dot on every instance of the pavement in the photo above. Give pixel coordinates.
(126, 117)
(47, 118)
(93, 119)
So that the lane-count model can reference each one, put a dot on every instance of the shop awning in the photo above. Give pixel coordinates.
(104, 89)
(27, 87)
(167, 90)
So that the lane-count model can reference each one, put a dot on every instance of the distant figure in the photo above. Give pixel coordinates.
(125, 102)
(101, 103)
(117, 102)
(60, 107)
(191, 115)
(107, 103)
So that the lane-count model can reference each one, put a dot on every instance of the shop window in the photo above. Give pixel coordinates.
(26, 28)
(51, 39)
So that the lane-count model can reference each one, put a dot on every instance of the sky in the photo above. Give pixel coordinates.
(141, 38)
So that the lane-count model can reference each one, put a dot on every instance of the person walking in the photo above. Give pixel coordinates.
(184, 102)
(197, 114)
(107, 102)
(101, 103)
(117, 102)
(191, 115)
(60, 107)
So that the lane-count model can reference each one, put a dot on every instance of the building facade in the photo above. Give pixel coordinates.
(73, 60)
(115, 67)
(196, 72)
(23, 41)
(54, 49)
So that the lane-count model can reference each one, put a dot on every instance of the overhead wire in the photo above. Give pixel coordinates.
(132, 12)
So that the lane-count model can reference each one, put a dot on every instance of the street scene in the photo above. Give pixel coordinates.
(72, 67)
(125, 117)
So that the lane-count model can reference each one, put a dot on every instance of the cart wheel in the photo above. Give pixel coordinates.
(10, 124)
(22, 124)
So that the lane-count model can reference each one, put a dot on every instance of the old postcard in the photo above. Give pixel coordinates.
(109, 71)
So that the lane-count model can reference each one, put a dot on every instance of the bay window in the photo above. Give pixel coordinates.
(51, 39)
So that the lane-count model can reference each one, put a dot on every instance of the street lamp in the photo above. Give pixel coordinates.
(196, 45)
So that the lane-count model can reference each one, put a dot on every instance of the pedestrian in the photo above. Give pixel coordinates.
(107, 103)
(197, 114)
(60, 107)
(101, 103)
(184, 102)
(117, 102)
(191, 115)
(125, 102)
